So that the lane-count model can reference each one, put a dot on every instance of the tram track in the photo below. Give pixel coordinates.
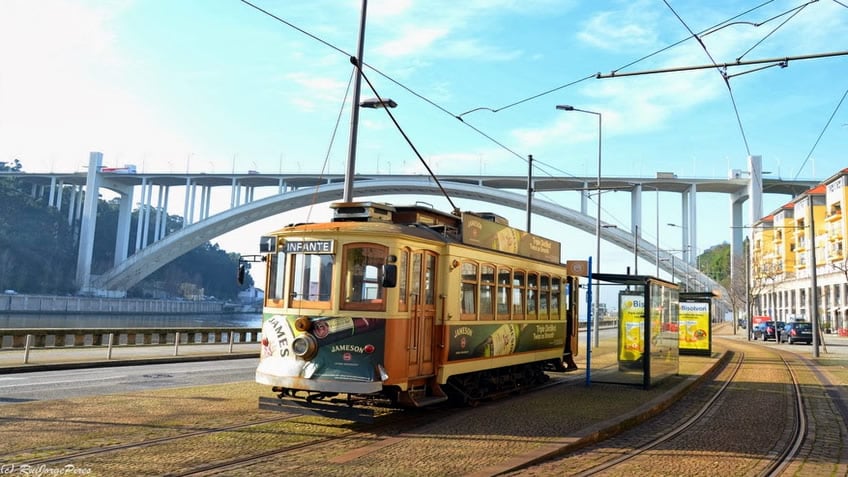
(98, 451)
(660, 445)
(380, 435)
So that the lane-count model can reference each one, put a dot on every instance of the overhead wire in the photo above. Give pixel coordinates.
(829, 120)
(358, 66)
(723, 75)
(332, 141)
(707, 31)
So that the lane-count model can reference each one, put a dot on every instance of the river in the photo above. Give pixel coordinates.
(56, 320)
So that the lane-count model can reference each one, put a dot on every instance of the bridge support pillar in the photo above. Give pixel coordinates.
(89, 221)
(122, 239)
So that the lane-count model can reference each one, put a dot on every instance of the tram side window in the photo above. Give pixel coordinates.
(276, 275)
(430, 280)
(469, 291)
(504, 291)
(312, 276)
(363, 279)
(556, 298)
(518, 285)
(532, 295)
(487, 291)
(403, 280)
(544, 296)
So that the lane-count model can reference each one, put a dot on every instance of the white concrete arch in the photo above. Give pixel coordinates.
(151, 258)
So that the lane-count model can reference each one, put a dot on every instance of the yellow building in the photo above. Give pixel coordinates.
(786, 251)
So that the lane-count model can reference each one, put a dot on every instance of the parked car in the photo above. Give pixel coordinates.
(767, 330)
(796, 332)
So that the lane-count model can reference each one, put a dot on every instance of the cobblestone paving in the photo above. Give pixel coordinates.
(479, 441)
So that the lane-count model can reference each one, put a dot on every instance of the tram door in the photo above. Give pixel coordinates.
(423, 303)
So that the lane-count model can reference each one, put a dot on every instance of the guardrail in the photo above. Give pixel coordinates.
(108, 339)
(41, 304)
(611, 323)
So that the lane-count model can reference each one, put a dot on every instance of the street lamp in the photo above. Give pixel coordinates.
(685, 240)
(566, 107)
(377, 103)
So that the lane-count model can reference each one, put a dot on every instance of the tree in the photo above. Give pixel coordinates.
(37, 253)
(38, 249)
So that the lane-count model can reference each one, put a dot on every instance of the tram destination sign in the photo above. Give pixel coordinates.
(310, 246)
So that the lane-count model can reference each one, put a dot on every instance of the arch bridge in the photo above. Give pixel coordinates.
(293, 191)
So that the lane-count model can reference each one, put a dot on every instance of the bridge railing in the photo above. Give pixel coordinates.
(107, 340)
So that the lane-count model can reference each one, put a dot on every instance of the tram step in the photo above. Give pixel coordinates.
(424, 401)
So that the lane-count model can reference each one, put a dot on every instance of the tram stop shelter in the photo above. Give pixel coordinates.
(647, 342)
(696, 323)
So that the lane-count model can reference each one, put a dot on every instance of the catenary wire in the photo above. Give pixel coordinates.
(829, 120)
(723, 76)
(537, 95)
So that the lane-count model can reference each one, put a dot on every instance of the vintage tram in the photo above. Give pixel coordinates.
(412, 306)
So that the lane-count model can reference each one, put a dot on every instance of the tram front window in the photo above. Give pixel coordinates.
(312, 276)
(276, 268)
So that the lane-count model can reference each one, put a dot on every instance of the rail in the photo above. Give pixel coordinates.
(109, 339)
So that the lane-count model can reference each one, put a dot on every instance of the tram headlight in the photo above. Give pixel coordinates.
(302, 323)
(305, 346)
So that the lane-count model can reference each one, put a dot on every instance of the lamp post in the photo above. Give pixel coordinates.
(815, 285)
(350, 169)
(566, 107)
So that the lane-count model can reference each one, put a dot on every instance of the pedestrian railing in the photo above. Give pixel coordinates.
(109, 339)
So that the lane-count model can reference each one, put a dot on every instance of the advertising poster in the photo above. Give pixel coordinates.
(694, 327)
(470, 341)
(631, 330)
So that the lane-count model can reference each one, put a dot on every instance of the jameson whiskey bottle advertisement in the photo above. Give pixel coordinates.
(483, 341)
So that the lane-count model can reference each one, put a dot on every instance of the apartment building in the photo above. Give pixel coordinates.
(801, 243)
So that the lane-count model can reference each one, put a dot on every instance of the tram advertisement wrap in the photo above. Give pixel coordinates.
(469, 341)
(694, 325)
(631, 328)
(348, 348)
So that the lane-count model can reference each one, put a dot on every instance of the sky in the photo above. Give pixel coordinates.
(222, 86)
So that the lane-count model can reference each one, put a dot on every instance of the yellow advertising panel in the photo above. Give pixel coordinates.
(694, 319)
(631, 329)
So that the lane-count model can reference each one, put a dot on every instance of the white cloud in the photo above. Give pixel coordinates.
(411, 42)
(61, 93)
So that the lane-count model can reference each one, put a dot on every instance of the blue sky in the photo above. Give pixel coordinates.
(218, 86)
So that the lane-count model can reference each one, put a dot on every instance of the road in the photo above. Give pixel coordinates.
(60, 384)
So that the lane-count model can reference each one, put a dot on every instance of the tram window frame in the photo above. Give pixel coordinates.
(324, 273)
(356, 289)
(557, 288)
(488, 291)
(504, 294)
(531, 300)
(469, 290)
(276, 282)
(519, 284)
(403, 280)
(429, 279)
(544, 296)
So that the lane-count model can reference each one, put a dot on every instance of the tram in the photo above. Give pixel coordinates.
(412, 306)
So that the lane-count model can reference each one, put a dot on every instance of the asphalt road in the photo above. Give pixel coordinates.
(60, 384)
